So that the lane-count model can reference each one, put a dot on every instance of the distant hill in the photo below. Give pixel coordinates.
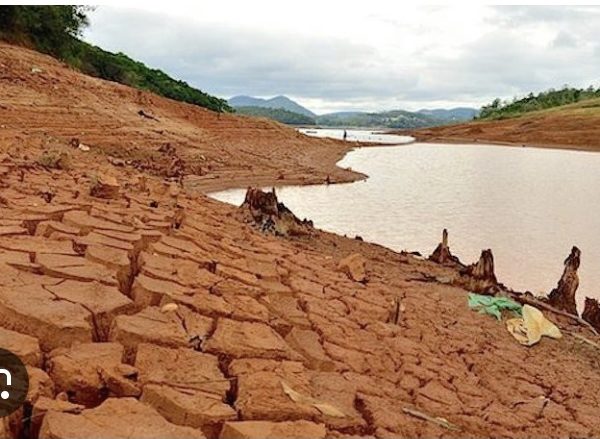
(278, 114)
(572, 126)
(290, 110)
(388, 119)
(459, 114)
(281, 102)
(396, 118)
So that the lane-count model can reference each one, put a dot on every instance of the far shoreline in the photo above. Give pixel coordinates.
(212, 184)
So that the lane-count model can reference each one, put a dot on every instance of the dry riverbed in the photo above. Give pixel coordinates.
(144, 309)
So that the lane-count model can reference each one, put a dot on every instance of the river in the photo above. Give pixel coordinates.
(528, 205)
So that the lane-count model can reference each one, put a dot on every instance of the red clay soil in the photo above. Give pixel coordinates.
(51, 108)
(571, 127)
(159, 312)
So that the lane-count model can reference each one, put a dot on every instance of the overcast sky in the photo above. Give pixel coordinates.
(378, 55)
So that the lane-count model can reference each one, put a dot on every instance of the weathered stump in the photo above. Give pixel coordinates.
(395, 312)
(442, 254)
(591, 313)
(480, 277)
(262, 205)
(563, 296)
(272, 216)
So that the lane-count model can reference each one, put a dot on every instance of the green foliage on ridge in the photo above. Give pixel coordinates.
(387, 119)
(542, 101)
(55, 30)
(278, 114)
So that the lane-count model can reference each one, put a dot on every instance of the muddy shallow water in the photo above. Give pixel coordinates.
(528, 205)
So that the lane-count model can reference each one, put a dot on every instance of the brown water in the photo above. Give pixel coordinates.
(528, 205)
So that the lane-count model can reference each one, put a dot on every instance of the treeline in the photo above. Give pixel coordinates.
(278, 114)
(547, 99)
(55, 30)
(388, 119)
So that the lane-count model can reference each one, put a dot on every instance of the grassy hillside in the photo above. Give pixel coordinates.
(543, 100)
(120, 68)
(56, 29)
(572, 126)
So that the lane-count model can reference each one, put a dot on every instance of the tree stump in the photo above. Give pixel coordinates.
(442, 254)
(563, 296)
(272, 216)
(480, 277)
(591, 313)
(262, 205)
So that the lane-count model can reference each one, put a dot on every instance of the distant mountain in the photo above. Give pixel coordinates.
(281, 102)
(397, 118)
(452, 115)
(278, 114)
(285, 110)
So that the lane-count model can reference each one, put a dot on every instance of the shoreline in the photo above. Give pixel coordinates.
(267, 184)
(325, 162)
(211, 184)
(471, 141)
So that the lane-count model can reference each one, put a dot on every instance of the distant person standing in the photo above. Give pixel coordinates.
(345, 135)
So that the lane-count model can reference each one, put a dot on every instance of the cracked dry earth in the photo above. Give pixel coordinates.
(268, 338)
(163, 314)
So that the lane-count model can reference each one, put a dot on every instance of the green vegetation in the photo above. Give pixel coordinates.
(56, 30)
(278, 114)
(387, 119)
(119, 67)
(398, 119)
(544, 100)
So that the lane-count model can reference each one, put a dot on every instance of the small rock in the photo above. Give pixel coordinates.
(105, 186)
(169, 307)
(116, 161)
(354, 266)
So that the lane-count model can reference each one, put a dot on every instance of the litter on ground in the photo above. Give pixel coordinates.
(493, 305)
(529, 329)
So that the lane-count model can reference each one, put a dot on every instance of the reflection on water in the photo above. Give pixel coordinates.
(528, 205)
(356, 135)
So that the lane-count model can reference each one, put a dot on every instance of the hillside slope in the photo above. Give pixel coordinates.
(52, 104)
(575, 126)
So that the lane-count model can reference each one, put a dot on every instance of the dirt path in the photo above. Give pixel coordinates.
(160, 312)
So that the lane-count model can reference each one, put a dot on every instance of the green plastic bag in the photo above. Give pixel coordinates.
(493, 305)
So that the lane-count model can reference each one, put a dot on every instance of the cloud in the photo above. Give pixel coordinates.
(345, 59)
(564, 40)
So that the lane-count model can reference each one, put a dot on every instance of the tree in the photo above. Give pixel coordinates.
(50, 29)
